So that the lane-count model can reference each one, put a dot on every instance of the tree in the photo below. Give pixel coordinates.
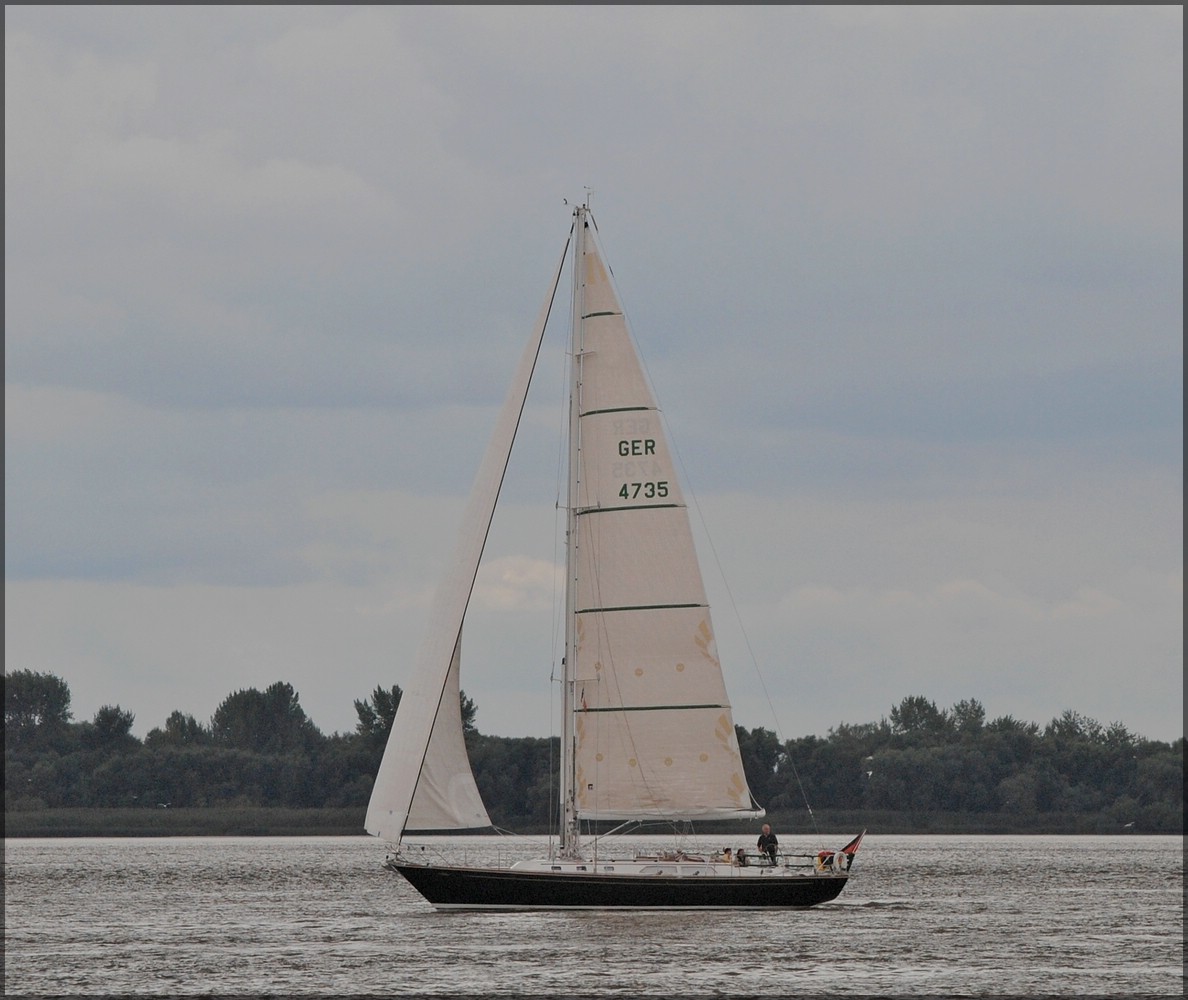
(112, 729)
(264, 751)
(835, 772)
(969, 716)
(1072, 726)
(1009, 724)
(762, 757)
(516, 778)
(918, 715)
(33, 704)
(377, 713)
(469, 713)
(1118, 736)
(270, 721)
(180, 730)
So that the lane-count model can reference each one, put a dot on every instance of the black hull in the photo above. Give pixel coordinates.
(504, 889)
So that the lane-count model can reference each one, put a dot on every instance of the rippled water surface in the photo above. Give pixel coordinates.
(1073, 916)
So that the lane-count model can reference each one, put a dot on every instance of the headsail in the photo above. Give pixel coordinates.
(654, 732)
(442, 794)
(447, 797)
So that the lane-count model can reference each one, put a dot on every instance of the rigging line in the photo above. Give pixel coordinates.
(561, 476)
(547, 310)
(558, 600)
(742, 628)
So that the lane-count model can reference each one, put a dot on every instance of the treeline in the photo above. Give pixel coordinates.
(260, 749)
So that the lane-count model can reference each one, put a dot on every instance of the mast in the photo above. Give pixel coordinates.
(569, 819)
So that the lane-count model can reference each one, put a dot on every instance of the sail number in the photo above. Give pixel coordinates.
(645, 446)
(649, 491)
(640, 448)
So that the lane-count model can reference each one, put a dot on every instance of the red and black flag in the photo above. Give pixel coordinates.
(852, 847)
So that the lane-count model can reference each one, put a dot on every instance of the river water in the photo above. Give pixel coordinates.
(968, 916)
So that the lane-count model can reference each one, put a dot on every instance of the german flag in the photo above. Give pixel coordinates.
(852, 847)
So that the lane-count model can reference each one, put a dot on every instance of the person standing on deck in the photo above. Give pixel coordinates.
(768, 843)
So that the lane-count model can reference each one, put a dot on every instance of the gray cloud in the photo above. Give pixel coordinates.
(908, 280)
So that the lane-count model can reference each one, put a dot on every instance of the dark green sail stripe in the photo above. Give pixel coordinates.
(605, 312)
(639, 607)
(638, 506)
(648, 708)
(617, 409)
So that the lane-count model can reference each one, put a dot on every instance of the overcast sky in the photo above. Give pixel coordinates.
(907, 280)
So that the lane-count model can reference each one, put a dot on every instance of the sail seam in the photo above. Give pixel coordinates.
(616, 409)
(647, 708)
(637, 607)
(639, 506)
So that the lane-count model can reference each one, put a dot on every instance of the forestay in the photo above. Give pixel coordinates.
(424, 780)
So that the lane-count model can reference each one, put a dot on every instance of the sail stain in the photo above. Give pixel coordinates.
(738, 788)
(704, 641)
(723, 731)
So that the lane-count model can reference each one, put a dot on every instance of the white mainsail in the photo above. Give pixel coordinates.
(411, 791)
(654, 735)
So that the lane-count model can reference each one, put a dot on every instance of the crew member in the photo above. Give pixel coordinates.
(768, 843)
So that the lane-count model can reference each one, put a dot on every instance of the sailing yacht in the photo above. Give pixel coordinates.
(647, 731)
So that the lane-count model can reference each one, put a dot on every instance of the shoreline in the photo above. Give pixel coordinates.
(247, 821)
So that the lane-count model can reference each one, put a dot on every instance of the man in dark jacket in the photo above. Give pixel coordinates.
(768, 843)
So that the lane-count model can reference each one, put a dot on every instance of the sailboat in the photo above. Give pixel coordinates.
(647, 734)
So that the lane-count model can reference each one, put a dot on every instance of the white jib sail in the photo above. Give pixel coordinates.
(409, 788)
(654, 731)
(447, 797)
